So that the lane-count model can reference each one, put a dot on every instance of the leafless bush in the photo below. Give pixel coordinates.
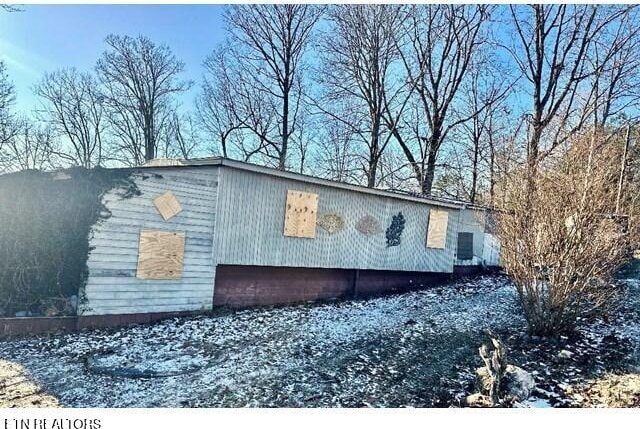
(562, 240)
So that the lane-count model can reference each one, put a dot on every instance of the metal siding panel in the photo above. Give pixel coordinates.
(491, 250)
(250, 219)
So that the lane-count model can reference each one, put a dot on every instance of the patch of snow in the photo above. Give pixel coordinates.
(414, 349)
(534, 402)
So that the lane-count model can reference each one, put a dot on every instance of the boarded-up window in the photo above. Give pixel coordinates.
(160, 255)
(465, 245)
(167, 205)
(300, 214)
(437, 231)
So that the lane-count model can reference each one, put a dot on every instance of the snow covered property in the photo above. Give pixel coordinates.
(215, 232)
(416, 349)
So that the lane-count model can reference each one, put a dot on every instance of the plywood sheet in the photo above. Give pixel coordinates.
(437, 231)
(300, 214)
(160, 255)
(168, 205)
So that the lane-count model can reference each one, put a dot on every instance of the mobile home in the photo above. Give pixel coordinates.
(216, 232)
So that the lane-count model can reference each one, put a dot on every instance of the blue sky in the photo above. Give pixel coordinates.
(44, 38)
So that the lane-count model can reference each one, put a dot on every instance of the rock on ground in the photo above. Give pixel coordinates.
(518, 384)
(478, 400)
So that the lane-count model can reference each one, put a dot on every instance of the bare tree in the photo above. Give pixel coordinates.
(359, 54)
(614, 59)
(336, 156)
(8, 126)
(29, 149)
(484, 91)
(231, 109)
(552, 51)
(181, 137)
(269, 45)
(438, 44)
(141, 80)
(72, 105)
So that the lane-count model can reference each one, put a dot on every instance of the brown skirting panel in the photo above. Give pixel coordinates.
(246, 286)
(12, 326)
(373, 282)
(466, 270)
(15, 326)
(115, 320)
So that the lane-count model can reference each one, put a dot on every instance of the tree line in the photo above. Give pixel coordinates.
(432, 99)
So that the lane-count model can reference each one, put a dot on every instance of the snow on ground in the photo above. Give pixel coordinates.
(414, 349)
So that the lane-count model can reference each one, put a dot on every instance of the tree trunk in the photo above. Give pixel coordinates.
(282, 164)
(373, 168)
(429, 174)
(374, 155)
(623, 166)
(149, 143)
(492, 171)
(474, 172)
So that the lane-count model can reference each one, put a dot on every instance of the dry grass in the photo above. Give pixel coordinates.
(612, 391)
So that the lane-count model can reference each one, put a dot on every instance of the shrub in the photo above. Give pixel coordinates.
(45, 222)
(561, 239)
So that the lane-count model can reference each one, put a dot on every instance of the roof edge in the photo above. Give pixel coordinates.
(246, 166)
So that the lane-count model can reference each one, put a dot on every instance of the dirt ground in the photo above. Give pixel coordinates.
(417, 349)
(17, 390)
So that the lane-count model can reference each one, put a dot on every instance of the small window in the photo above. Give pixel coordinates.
(465, 246)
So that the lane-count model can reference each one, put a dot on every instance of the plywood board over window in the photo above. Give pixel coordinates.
(300, 214)
(160, 255)
(168, 205)
(437, 230)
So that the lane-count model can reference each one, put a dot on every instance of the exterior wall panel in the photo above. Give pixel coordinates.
(251, 212)
(112, 286)
(472, 221)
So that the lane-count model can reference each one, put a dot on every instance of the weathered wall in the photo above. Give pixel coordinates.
(112, 287)
(251, 210)
(473, 221)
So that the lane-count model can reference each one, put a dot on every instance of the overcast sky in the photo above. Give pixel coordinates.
(44, 38)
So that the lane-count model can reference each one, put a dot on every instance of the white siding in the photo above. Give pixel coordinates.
(491, 250)
(473, 221)
(251, 209)
(112, 286)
